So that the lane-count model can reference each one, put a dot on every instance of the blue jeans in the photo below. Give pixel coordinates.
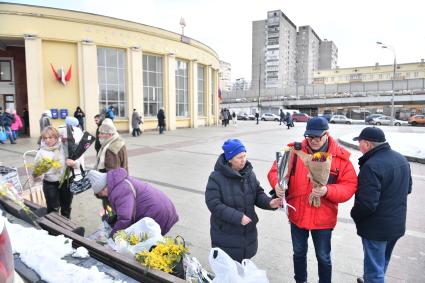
(377, 256)
(322, 246)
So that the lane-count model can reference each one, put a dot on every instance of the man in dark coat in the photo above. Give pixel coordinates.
(161, 120)
(98, 121)
(380, 205)
(231, 194)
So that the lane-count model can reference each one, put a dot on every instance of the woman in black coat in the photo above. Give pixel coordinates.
(79, 114)
(231, 194)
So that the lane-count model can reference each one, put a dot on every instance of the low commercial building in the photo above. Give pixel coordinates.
(60, 59)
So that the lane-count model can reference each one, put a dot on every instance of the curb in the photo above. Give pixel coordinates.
(409, 158)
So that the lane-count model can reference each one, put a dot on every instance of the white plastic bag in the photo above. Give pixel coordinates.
(146, 225)
(227, 270)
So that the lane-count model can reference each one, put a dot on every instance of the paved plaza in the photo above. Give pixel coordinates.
(179, 163)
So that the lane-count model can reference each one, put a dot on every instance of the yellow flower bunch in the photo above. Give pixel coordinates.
(164, 256)
(44, 165)
(321, 156)
(131, 238)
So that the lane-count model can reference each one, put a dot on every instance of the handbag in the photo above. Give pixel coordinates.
(81, 185)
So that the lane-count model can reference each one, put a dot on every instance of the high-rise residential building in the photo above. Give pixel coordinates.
(240, 84)
(328, 55)
(281, 57)
(274, 51)
(307, 55)
(258, 47)
(225, 75)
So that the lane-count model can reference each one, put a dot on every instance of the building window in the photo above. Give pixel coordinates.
(201, 90)
(181, 89)
(5, 71)
(380, 76)
(416, 74)
(153, 92)
(111, 69)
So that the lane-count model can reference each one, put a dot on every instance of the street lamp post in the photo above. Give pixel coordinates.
(386, 46)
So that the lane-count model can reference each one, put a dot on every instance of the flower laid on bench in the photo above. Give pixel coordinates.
(130, 238)
(164, 256)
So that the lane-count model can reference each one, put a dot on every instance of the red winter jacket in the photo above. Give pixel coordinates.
(342, 185)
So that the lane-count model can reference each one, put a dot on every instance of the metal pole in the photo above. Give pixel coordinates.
(392, 96)
(259, 84)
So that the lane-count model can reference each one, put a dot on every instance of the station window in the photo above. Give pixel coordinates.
(153, 90)
(111, 70)
(182, 89)
(201, 90)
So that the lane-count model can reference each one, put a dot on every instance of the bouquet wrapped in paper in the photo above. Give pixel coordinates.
(319, 168)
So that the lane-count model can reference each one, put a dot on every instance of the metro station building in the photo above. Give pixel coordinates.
(60, 59)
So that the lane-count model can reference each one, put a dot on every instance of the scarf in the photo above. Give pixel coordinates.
(100, 161)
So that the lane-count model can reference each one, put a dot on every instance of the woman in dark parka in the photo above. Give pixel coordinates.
(231, 194)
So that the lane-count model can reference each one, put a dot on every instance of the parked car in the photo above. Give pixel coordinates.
(7, 269)
(251, 117)
(269, 117)
(340, 119)
(386, 120)
(242, 116)
(369, 118)
(300, 117)
(417, 120)
(326, 116)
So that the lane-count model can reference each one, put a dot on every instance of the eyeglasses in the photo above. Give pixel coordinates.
(310, 138)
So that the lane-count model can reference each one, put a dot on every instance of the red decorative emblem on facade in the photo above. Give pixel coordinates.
(60, 74)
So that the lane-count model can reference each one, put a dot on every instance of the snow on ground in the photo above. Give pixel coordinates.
(408, 144)
(43, 253)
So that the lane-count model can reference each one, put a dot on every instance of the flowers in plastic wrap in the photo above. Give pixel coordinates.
(140, 236)
(319, 168)
(43, 165)
(165, 256)
(8, 191)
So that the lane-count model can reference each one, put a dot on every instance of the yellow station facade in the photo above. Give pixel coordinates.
(60, 59)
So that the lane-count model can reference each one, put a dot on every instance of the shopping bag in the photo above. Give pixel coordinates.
(228, 270)
(3, 135)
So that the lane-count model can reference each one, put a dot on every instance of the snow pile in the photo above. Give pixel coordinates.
(81, 252)
(43, 253)
(408, 144)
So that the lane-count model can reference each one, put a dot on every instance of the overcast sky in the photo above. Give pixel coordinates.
(226, 25)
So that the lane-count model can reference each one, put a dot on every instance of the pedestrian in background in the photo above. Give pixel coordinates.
(308, 219)
(136, 120)
(79, 114)
(380, 204)
(44, 122)
(98, 121)
(26, 117)
(289, 121)
(16, 125)
(6, 121)
(234, 118)
(281, 117)
(257, 116)
(161, 120)
(231, 194)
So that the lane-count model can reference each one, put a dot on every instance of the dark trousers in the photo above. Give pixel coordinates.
(136, 132)
(58, 198)
(322, 246)
(377, 256)
(161, 129)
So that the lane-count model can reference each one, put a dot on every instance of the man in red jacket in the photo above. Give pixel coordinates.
(306, 219)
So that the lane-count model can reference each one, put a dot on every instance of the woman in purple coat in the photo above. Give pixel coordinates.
(132, 199)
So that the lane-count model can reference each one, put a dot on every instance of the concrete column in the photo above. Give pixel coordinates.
(193, 78)
(35, 82)
(135, 85)
(89, 86)
(170, 88)
(208, 95)
(215, 98)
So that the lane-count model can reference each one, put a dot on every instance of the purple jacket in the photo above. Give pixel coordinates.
(149, 202)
